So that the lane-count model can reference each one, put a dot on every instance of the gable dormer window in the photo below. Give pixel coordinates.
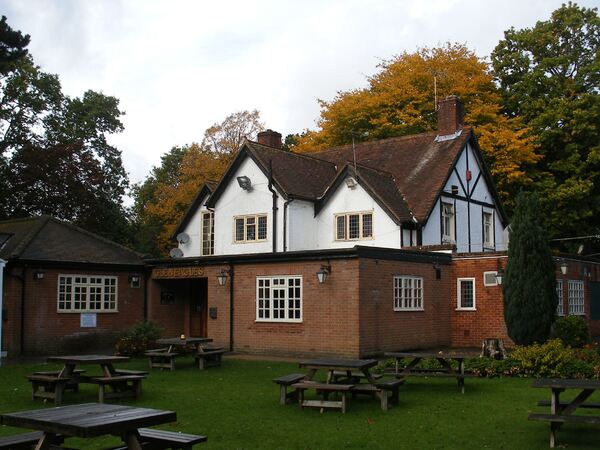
(250, 228)
(353, 226)
(208, 233)
(448, 231)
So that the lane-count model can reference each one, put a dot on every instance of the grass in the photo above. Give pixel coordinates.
(237, 407)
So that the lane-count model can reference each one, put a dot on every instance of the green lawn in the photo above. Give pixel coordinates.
(237, 407)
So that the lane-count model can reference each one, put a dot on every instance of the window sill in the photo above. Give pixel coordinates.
(277, 321)
(466, 309)
(409, 309)
(87, 312)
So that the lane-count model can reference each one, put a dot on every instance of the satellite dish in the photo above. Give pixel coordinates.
(183, 238)
(175, 253)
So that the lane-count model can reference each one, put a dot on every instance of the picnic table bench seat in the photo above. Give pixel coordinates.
(324, 389)
(286, 381)
(131, 372)
(565, 404)
(557, 418)
(388, 391)
(355, 377)
(48, 387)
(209, 357)
(161, 358)
(25, 441)
(72, 385)
(121, 385)
(160, 439)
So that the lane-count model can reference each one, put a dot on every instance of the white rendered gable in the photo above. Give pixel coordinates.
(194, 230)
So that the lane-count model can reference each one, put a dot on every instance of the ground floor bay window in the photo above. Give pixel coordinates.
(279, 299)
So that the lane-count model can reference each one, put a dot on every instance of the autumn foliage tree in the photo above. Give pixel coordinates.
(400, 100)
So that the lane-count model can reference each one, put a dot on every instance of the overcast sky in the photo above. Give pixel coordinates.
(180, 66)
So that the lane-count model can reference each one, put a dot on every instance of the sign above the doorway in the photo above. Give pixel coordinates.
(177, 272)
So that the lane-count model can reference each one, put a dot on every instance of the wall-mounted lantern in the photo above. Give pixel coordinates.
(38, 275)
(499, 275)
(245, 183)
(222, 277)
(134, 281)
(323, 273)
(564, 267)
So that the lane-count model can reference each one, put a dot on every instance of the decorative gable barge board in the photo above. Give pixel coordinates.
(311, 255)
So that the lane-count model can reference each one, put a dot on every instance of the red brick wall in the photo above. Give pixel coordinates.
(382, 328)
(47, 331)
(469, 328)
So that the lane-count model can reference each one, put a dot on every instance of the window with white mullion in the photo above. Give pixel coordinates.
(250, 228)
(91, 293)
(576, 298)
(279, 299)
(408, 293)
(448, 234)
(208, 233)
(559, 292)
(353, 226)
(465, 290)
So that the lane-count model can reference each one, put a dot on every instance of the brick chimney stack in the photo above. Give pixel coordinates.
(450, 115)
(270, 138)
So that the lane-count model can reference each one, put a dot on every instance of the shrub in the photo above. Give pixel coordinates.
(572, 330)
(543, 360)
(141, 337)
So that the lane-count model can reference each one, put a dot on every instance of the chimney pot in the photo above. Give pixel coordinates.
(270, 138)
(450, 115)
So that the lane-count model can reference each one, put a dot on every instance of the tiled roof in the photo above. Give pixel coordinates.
(298, 175)
(418, 164)
(44, 238)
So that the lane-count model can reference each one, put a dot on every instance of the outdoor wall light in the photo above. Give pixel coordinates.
(245, 183)
(134, 281)
(323, 273)
(38, 275)
(222, 277)
(563, 267)
(499, 275)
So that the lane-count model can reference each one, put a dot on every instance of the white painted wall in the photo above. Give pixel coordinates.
(385, 232)
(465, 214)
(301, 226)
(234, 201)
(194, 231)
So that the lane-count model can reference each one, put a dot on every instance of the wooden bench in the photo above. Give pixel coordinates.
(131, 372)
(161, 358)
(209, 357)
(324, 389)
(565, 404)
(48, 387)
(25, 441)
(72, 385)
(170, 439)
(286, 381)
(388, 391)
(121, 385)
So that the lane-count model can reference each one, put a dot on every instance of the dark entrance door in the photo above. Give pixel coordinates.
(198, 307)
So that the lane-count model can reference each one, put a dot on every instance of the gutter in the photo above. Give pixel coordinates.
(274, 206)
(23, 284)
(2, 265)
(231, 307)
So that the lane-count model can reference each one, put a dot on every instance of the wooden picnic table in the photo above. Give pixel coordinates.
(445, 360)
(123, 384)
(87, 421)
(348, 365)
(563, 411)
(188, 341)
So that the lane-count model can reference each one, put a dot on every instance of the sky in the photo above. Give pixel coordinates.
(179, 66)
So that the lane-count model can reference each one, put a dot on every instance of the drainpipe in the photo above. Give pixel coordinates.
(231, 276)
(23, 284)
(285, 205)
(2, 264)
(274, 205)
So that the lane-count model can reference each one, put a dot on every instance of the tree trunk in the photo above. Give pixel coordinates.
(493, 348)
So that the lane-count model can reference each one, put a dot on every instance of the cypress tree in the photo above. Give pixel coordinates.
(529, 285)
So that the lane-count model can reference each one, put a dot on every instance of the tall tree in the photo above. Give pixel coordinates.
(550, 76)
(400, 100)
(12, 45)
(38, 122)
(227, 136)
(529, 285)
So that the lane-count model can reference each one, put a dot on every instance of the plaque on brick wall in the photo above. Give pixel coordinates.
(177, 272)
(87, 320)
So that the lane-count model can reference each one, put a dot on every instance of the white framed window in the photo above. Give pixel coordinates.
(489, 278)
(576, 298)
(488, 229)
(559, 293)
(465, 291)
(87, 293)
(208, 233)
(353, 226)
(279, 299)
(448, 232)
(250, 228)
(408, 293)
